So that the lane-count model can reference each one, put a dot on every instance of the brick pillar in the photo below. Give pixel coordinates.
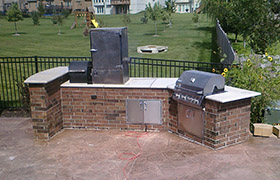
(226, 124)
(45, 102)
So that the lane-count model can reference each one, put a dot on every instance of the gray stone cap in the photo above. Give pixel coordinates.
(232, 94)
(153, 83)
(47, 76)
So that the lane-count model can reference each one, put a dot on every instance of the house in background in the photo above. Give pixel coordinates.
(1, 5)
(81, 5)
(187, 6)
(137, 6)
(31, 5)
(122, 6)
(5, 4)
(102, 6)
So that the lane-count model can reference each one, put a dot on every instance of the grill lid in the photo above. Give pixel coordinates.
(193, 86)
(200, 83)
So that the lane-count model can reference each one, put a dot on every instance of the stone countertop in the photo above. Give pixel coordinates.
(153, 83)
(232, 94)
(47, 76)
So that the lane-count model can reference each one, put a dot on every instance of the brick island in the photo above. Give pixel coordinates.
(56, 104)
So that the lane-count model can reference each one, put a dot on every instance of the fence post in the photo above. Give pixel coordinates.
(36, 64)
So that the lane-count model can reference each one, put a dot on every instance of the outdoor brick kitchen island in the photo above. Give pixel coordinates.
(57, 104)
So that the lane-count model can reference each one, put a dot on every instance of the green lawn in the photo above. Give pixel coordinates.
(185, 40)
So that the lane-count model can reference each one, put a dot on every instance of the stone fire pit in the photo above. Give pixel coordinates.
(151, 49)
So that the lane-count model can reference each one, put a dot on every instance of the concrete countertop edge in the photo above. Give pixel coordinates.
(232, 91)
(49, 75)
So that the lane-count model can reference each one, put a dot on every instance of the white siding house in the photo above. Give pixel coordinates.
(187, 6)
(102, 6)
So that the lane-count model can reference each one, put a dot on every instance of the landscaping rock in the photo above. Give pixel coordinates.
(262, 129)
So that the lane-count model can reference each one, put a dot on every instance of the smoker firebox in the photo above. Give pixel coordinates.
(79, 72)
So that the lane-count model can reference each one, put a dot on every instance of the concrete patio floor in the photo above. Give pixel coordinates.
(94, 155)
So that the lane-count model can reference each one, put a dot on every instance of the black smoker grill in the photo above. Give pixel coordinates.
(190, 91)
(109, 53)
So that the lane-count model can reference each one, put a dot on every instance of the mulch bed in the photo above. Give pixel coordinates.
(14, 113)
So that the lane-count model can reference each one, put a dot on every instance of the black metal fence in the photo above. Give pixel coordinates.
(14, 70)
(224, 43)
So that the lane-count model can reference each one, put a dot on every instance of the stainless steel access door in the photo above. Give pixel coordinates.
(152, 112)
(191, 120)
(134, 111)
(143, 111)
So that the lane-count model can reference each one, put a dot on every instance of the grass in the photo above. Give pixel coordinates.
(185, 40)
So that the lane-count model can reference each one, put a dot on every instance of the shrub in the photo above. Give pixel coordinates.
(35, 18)
(41, 9)
(195, 18)
(54, 19)
(126, 19)
(261, 74)
(65, 13)
(144, 19)
(24, 91)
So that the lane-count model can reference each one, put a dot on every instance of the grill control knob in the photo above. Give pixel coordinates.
(183, 97)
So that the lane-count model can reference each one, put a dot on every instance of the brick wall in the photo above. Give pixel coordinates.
(108, 110)
(45, 102)
(226, 124)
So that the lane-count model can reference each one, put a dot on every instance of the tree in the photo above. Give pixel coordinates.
(126, 19)
(144, 19)
(261, 74)
(170, 8)
(195, 18)
(14, 15)
(41, 9)
(35, 18)
(65, 13)
(254, 19)
(154, 13)
(57, 20)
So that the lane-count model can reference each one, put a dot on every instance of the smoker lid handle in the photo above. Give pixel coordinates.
(77, 71)
(93, 50)
(126, 59)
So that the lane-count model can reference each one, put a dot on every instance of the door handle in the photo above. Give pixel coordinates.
(145, 106)
(141, 105)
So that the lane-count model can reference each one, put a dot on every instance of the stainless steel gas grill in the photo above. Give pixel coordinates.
(190, 91)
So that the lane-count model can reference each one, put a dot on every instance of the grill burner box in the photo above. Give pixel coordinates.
(190, 91)
(109, 52)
